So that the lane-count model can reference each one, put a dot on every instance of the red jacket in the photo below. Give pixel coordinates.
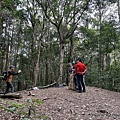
(80, 67)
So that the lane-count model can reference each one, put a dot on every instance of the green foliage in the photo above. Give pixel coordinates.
(25, 24)
(109, 40)
(32, 104)
(110, 78)
(11, 109)
(24, 110)
(6, 4)
(38, 102)
(16, 105)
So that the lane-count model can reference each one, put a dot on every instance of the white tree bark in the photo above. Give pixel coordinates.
(119, 9)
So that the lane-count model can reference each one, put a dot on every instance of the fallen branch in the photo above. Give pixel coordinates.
(11, 95)
(47, 86)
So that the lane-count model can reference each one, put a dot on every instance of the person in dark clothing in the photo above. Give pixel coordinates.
(10, 73)
(80, 69)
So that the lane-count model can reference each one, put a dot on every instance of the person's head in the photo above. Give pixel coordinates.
(78, 60)
(70, 64)
(11, 67)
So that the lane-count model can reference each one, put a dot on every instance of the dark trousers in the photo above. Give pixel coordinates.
(75, 80)
(80, 83)
(9, 85)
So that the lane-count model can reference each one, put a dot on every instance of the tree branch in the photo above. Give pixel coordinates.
(46, 12)
(76, 23)
(69, 34)
(85, 8)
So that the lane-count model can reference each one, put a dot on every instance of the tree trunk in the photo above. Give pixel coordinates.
(7, 50)
(70, 58)
(47, 71)
(107, 61)
(1, 21)
(61, 61)
(119, 9)
(100, 55)
(36, 69)
(33, 59)
(1, 44)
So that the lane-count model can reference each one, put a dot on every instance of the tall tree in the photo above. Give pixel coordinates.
(36, 24)
(61, 15)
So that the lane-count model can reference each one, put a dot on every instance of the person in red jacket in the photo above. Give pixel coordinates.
(80, 69)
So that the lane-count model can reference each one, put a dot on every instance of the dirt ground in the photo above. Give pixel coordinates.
(63, 104)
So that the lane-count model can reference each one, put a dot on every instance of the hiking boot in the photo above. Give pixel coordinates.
(84, 90)
(78, 91)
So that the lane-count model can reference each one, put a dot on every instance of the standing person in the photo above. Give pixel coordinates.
(10, 73)
(80, 69)
(70, 69)
(74, 76)
(71, 81)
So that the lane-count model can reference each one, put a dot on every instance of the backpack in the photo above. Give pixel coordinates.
(4, 74)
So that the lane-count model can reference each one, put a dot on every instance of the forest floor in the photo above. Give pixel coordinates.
(63, 104)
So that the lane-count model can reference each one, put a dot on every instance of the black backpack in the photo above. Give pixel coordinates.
(4, 74)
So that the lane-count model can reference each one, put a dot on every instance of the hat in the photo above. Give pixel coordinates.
(73, 62)
(69, 63)
(11, 66)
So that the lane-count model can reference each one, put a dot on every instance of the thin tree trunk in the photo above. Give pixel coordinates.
(70, 58)
(100, 55)
(47, 71)
(61, 62)
(7, 49)
(119, 9)
(72, 37)
(107, 61)
(33, 57)
(1, 44)
(36, 69)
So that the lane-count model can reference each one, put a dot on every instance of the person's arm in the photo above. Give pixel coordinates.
(14, 73)
(73, 71)
(85, 69)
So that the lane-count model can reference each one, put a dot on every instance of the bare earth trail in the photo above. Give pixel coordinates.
(63, 104)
